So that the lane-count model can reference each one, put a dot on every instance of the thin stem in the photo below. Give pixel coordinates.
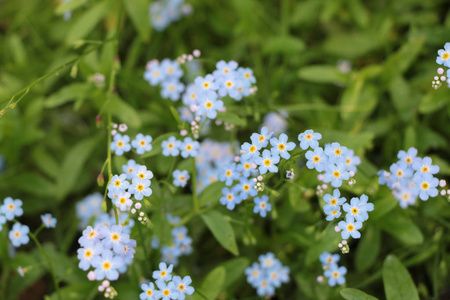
(171, 168)
(39, 230)
(50, 266)
(194, 187)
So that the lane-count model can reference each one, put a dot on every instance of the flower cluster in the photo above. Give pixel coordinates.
(182, 243)
(411, 177)
(121, 143)
(333, 272)
(267, 275)
(106, 248)
(89, 207)
(164, 12)
(120, 189)
(167, 286)
(338, 162)
(167, 74)
(173, 147)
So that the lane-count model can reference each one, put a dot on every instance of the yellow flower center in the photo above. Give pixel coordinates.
(354, 210)
(336, 174)
(399, 173)
(189, 147)
(119, 144)
(141, 175)
(281, 147)
(206, 85)
(142, 143)
(246, 187)
(17, 234)
(208, 104)
(316, 158)
(182, 178)
(333, 212)
(106, 265)
(181, 287)
(229, 84)
(308, 136)
(247, 75)
(333, 201)
(163, 273)
(267, 162)
(228, 173)
(255, 273)
(425, 186)
(261, 138)
(229, 197)
(91, 234)
(445, 55)
(350, 227)
(337, 152)
(88, 253)
(115, 237)
(117, 183)
(122, 200)
(408, 160)
(425, 169)
(156, 73)
(140, 187)
(170, 70)
(166, 292)
(225, 71)
(170, 146)
(11, 206)
(262, 205)
(149, 292)
(335, 274)
(252, 149)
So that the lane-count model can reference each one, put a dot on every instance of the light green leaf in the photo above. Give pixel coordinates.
(235, 269)
(69, 6)
(138, 12)
(68, 93)
(212, 285)
(231, 118)
(401, 227)
(124, 112)
(283, 45)
(221, 229)
(355, 294)
(211, 193)
(350, 45)
(322, 74)
(398, 284)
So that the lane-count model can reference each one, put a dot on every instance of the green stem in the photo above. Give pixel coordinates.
(194, 187)
(39, 230)
(171, 168)
(144, 245)
(50, 266)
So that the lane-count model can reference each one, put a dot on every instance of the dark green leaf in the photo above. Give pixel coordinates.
(398, 284)
(222, 230)
(355, 294)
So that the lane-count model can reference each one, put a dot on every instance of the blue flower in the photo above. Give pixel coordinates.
(163, 274)
(407, 157)
(91, 235)
(189, 147)
(424, 165)
(123, 201)
(425, 185)
(141, 172)
(383, 176)
(173, 220)
(180, 178)
(120, 144)
(209, 105)
(246, 188)
(351, 161)
(87, 253)
(118, 184)
(261, 140)
(228, 173)
(247, 168)
(336, 275)
(444, 55)
(224, 68)
(106, 266)
(309, 138)
(280, 146)
(172, 89)
(182, 286)
(129, 168)
(191, 95)
(18, 235)
(336, 153)
(228, 86)
(400, 171)
(171, 147)
(250, 151)
(335, 174)
(206, 83)
(349, 228)
(254, 274)
(333, 201)
(247, 76)
(149, 291)
(153, 74)
(140, 188)
(267, 162)
(230, 198)
(142, 143)
(171, 69)
(316, 159)
(11, 208)
(327, 259)
(166, 291)
(405, 197)
(356, 210)
(265, 288)
(262, 205)
(48, 220)
(115, 238)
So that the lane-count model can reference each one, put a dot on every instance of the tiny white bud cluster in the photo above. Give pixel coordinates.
(188, 57)
(110, 291)
(345, 248)
(259, 185)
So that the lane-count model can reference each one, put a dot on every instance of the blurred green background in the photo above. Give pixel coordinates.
(383, 103)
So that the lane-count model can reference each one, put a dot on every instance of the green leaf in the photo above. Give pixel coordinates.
(231, 118)
(368, 248)
(35, 184)
(124, 112)
(355, 294)
(212, 284)
(358, 101)
(211, 193)
(69, 6)
(235, 269)
(73, 164)
(351, 45)
(221, 229)
(156, 144)
(86, 23)
(398, 284)
(383, 206)
(45, 162)
(401, 227)
(176, 115)
(138, 12)
(68, 93)
(434, 100)
(283, 45)
(322, 74)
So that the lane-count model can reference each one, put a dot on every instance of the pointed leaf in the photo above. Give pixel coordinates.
(398, 284)
(221, 229)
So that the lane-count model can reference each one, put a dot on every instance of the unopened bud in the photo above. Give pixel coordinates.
(100, 179)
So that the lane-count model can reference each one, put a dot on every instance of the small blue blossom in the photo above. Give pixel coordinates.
(424, 165)
(444, 56)
(230, 198)
(189, 148)
(351, 161)
(118, 184)
(206, 83)
(182, 286)
(48, 221)
(336, 153)
(280, 146)
(129, 168)
(267, 162)
(309, 138)
(153, 74)
(327, 259)
(18, 235)
(316, 159)
(349, 228)
(172, 89)
(123, 201)
(408, 156)
(209, 105)
(166, 291)
(335, 275)
(171, 69)
(149, 292)
(260, 140)
(171, 147)
(247, 168)
(120, 144)
(400, 171)
(224, 68)
(356, 210)
(106, 266)
(142, 143)
(425, 185)
(90, 251)
(141, 172)
(250, 151)
(11, 208)
(262, 205)
(335, 174)
(163, 274)
(140, 188)
(246, 188)
(180, 178)
(115, 238)
(228, 174)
